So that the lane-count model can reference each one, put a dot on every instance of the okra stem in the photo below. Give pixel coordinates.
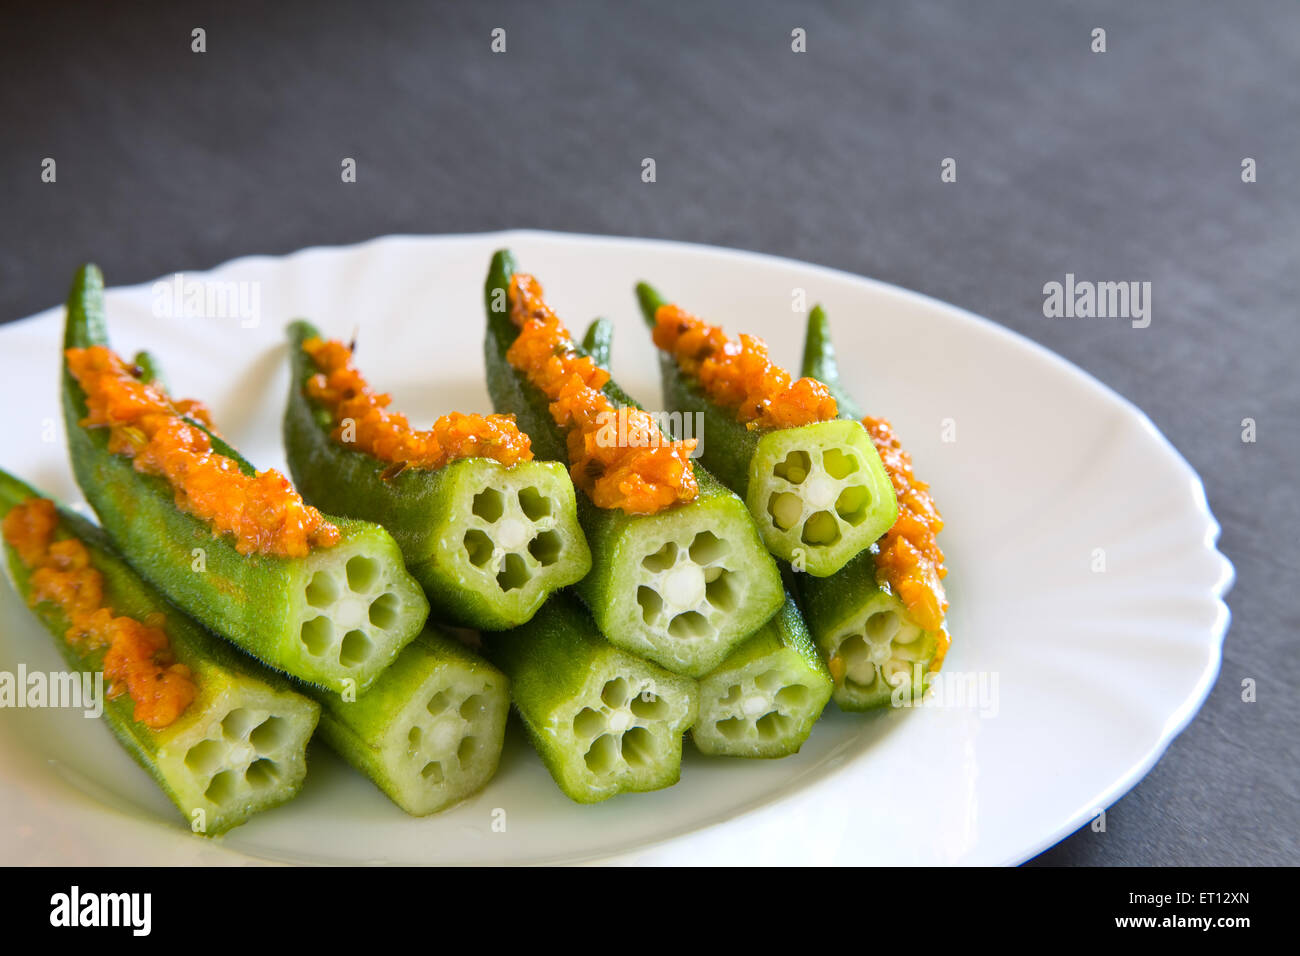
(238, 747)
(820, 362)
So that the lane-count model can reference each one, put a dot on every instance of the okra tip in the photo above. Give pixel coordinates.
(300, 330)
(650, 301)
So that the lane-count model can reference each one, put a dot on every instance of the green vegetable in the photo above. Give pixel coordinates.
(681, 587)
(860, 626)
(765, 698)
(335, 618)
(818, 493)
(429, 732)
(487, 541)
(238, 748)
(604, 722)
(599, 342)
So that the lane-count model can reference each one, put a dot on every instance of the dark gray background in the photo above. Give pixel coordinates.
(1122, 165)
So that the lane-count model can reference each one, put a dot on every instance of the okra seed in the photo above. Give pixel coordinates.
(838, 463)
(821, 529)
(786, 509)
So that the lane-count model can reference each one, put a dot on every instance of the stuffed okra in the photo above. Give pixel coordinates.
(814, 484)
(603, 721)
(679, 574)
(488, 531)
(429, 732)
(326, 600)
(221, 735)
(879, 621)
(765, 698)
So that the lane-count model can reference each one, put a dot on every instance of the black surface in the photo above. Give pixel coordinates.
(1122, 165)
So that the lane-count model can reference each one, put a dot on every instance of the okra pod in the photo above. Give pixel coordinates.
(880, 643)
(238, 746)
(335, 617)
(872, 645)
(765, 698)
(603, 721)
(429, 732)
(681, 586)
(817, 492)
(487, 541)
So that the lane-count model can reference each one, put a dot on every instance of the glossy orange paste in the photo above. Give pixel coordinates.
(637, 479)
(262, 512)
(740, 375)
(341, 389)
(137, 659)
(909, 558)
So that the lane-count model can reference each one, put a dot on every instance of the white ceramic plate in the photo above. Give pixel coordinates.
(1086, 675)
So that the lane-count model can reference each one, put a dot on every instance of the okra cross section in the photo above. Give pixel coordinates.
(487, 541)
(603, 721)
(238, 747)
(429, 732)
(678, 587)
(817, 492)
(334, 617)
(765, 698)
(876, 652)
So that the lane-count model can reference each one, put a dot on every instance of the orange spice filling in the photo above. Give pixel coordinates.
(388, 436)
(262, 512)
(910, 559)
(740, 375)
(138, 659)
(641, 476)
